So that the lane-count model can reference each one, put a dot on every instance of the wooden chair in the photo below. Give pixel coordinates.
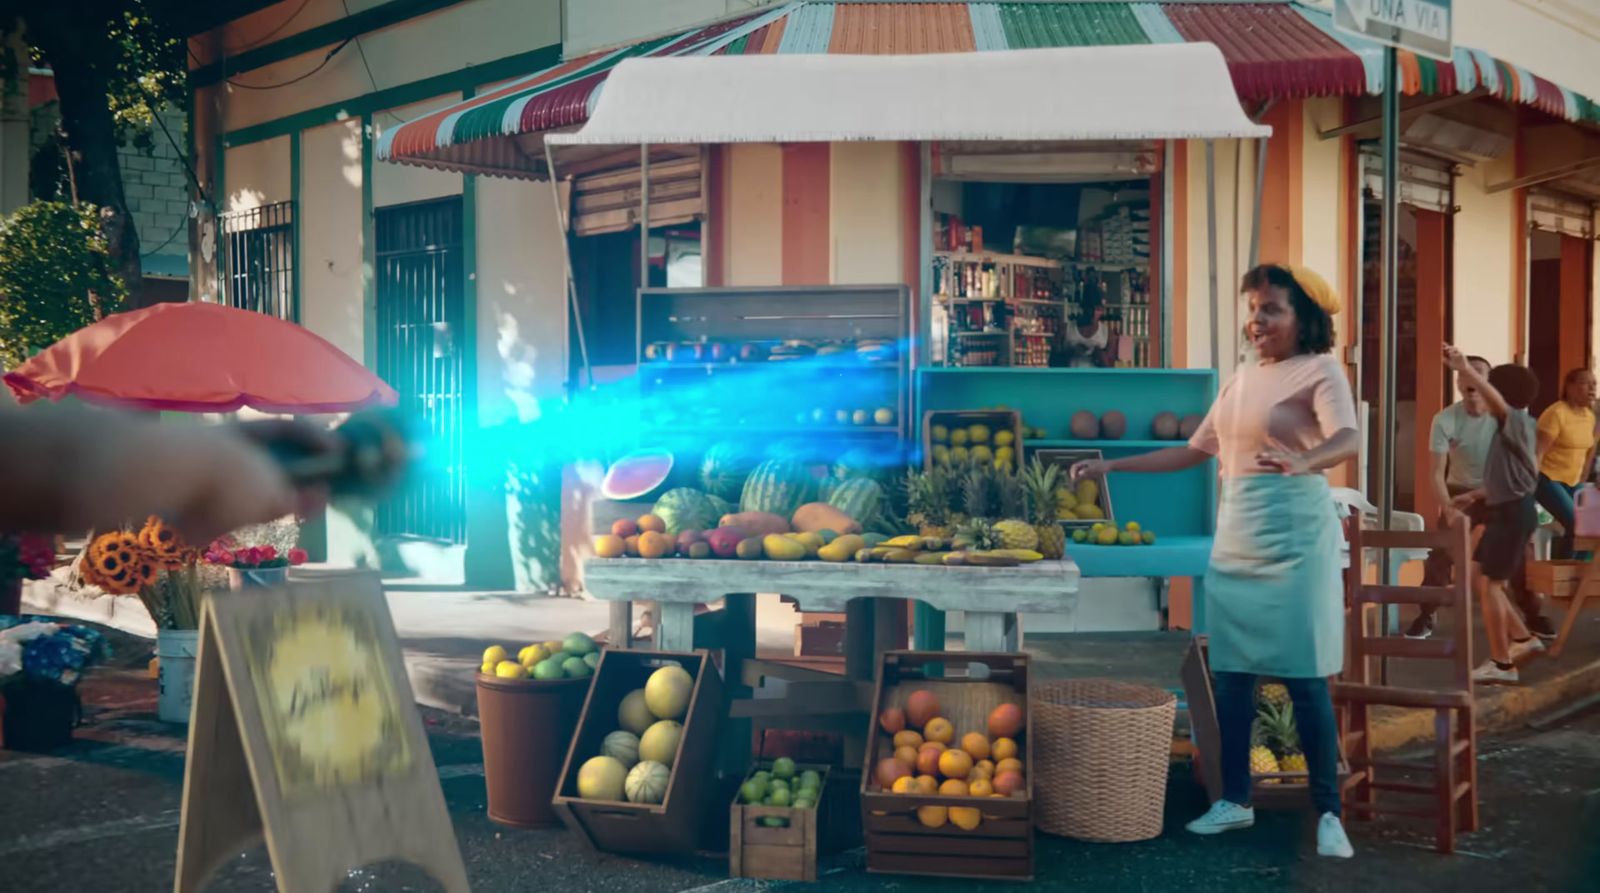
(1454, 791)
(1572, 581)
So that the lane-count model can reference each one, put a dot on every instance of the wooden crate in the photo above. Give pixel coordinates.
(1274, 790)
(672, 826)
(995, 419)
(786, 853)
(999, 848)
(1560, 579)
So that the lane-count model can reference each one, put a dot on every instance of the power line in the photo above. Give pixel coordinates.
(321, 65)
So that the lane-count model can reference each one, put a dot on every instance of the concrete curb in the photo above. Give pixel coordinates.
(1500, 708)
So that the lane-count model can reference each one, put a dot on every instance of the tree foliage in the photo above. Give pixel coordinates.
(57, 275)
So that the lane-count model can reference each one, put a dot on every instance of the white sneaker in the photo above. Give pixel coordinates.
(1489, 674)
(1521, 651)
(1331, 839)
(1223, 816)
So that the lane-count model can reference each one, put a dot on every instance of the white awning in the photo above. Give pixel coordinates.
(1153, 91)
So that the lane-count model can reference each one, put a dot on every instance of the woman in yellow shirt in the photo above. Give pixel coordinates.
(1566, 451)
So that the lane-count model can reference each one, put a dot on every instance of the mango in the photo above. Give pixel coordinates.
(900, 556)
(909, 541)
(780, 548)
(843, 548)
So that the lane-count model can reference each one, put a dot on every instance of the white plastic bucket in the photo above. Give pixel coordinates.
(176, 649)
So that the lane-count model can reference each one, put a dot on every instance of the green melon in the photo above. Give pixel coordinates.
(777, 487)
(686, 509)
(647, 782)
(859, 498)
(724, 468)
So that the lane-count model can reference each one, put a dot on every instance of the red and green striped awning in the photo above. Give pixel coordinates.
(1273, 50)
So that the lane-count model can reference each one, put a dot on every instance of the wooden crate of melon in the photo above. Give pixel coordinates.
(949, 792)
(635, 777)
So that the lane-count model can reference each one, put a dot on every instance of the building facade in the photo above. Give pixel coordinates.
(298, 119)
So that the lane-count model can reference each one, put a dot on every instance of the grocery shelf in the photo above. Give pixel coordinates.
(995, 257)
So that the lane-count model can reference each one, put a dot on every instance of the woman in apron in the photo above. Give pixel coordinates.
(1274, 592)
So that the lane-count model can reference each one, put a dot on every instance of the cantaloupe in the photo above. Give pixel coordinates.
(622, 746)
(647, 783)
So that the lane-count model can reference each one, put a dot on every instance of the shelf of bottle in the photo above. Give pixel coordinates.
(994, 257)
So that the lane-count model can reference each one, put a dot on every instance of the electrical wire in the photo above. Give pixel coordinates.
(321, 65)
(181, 227)
(273, 33)
(362, 51)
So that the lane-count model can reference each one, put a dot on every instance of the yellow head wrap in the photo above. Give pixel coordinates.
(1316, 288)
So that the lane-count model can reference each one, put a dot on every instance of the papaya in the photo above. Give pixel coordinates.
(842, 549)
(815, 516)
(778, 547)
(755, 523)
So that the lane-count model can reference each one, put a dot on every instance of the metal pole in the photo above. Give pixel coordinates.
(1255, 219)
(1168, 190)
(1211, 246)
(644, 216)
(566, 264)
(1390, 290)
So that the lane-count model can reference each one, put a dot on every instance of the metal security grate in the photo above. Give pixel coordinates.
(258, 260)
(420, 352)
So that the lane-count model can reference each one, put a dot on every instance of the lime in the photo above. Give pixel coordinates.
(779, 797)
(753, 791)
(1149, 537)
(578, 644)
(547, 669)
(783, 768)
(576, 668)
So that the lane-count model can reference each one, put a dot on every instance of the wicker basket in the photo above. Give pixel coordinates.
(1100, 755)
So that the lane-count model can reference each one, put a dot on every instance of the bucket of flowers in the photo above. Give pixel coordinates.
(41, 661)
(260, 555)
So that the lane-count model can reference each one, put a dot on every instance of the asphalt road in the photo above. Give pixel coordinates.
(103, 814)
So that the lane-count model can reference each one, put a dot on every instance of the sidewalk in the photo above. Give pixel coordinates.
(444, 633)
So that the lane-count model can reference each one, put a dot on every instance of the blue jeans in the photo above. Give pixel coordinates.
(1313, 716)
(1557, 499)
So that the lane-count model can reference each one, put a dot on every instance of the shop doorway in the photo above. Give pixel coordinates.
(420, 329)
(1560, 312)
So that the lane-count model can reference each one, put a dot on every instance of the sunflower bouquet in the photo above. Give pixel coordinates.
(154, 563)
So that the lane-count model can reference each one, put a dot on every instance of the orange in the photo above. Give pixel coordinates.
(632, 544)
(955, 764)
(1008, 783)
(927, 784)
(980, 788)
(907, 755)
(610, 546)
(921, 707)
(933, 816)
(907, 738)
(928, 759)
(985, 765)
(1005, 721)
(1011, 765)
(1003, 749)
(939, 729)
(975, 744)
(654, 545)
(905, 784)
(965, 817)
(955, 787)
(652, 523)
(893, 720)
(624, 528)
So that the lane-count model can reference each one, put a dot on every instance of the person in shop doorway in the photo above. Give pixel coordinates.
(1566, 453)
(1510, 475)
(1087, 339)
(1274, 591)
(1459, 442)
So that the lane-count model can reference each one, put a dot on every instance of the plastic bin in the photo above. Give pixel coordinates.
(526, 726)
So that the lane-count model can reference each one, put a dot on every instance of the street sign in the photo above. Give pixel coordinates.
(304, 731)
(1421, 26)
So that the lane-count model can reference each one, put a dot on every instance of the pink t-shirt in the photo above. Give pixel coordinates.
(1300, 402)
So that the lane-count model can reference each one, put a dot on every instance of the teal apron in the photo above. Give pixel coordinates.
(1274, 593)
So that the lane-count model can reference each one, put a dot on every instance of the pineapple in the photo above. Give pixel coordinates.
(1262, 760)
(978, 493)
(1014, 530)
(1278, 725)
(1040, 481)
(1274, 694)
(977, 535)
(928, 498)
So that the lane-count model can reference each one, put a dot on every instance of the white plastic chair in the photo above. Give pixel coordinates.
(1354, 501)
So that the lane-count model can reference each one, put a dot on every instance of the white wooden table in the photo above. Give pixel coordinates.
(988, 596)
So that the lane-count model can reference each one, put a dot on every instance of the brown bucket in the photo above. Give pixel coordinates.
(526, 726)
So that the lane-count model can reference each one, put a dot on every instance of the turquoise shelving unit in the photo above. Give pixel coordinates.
(1180, 507)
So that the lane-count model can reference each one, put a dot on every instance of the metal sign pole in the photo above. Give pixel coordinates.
(1388, 312)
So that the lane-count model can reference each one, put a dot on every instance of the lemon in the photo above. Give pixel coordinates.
(958, 455)
(1004, 438)
(884, 416)
(958, 437)
(1133, 527)
(981, 454)
(487, 669)
(510, 669)
(1004, 453)
(941, 434)
(1108, 536)
(494, 654)
(551, 647)
(978, 434)
(941, 454)
(532, 655)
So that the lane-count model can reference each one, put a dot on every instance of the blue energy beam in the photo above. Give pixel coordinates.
(822, 406)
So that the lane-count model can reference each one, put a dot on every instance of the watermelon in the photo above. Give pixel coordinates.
(686, 509)
(724, 469)
(860, 463)
(777, 487)
(637, 475)
(792, 449)
(860, 498)
(723, 506)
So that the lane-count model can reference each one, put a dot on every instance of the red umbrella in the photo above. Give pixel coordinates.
(200, 357)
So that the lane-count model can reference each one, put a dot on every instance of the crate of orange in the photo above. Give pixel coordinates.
(946, 789)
